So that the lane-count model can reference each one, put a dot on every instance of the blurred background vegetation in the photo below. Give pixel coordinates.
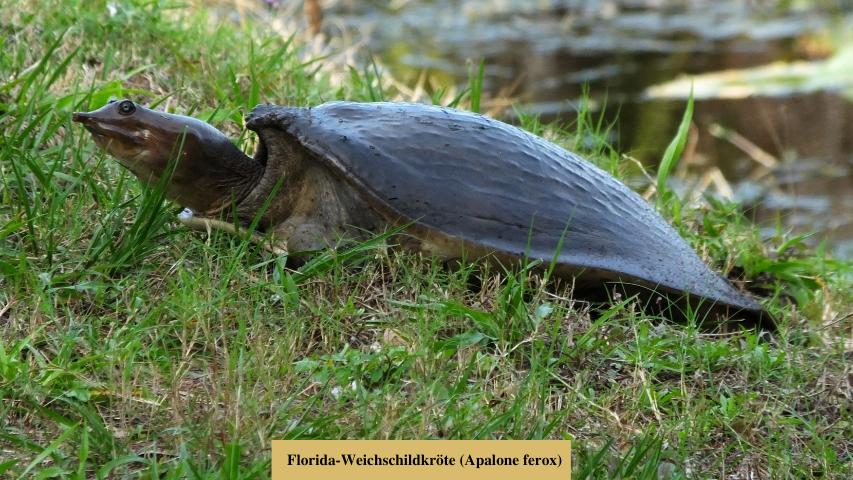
(773, 79)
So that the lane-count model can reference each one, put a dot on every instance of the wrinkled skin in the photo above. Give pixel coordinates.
(210, 173)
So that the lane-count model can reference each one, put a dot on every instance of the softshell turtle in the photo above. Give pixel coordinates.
(462, 182)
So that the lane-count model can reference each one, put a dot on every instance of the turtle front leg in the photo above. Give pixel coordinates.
(306, 234)
(275, 245)
(325, 210)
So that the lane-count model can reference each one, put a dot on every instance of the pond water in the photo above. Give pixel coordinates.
(787, 155)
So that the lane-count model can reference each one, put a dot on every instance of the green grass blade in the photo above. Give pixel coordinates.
(53, 447)
(7, 465)
(673, 153)
(107, 470)
(475, 82)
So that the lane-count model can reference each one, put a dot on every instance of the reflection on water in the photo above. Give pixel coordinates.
(541, 53)
(811, 136)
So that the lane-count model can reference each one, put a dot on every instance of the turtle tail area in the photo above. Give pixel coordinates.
(680, 308)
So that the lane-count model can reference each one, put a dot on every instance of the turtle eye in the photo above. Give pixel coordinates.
(126, 107)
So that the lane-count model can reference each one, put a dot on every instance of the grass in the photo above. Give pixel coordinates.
(132, 347)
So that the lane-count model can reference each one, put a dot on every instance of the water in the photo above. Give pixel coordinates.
(791, 157)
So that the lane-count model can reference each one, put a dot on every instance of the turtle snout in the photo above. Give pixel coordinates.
(80, 117)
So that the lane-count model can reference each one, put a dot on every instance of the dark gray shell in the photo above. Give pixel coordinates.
(495, 185)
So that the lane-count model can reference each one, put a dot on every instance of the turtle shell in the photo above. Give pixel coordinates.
(494, 185)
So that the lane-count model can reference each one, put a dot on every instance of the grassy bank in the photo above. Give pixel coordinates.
(130, 346)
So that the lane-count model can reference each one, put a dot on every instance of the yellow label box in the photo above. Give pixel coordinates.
(421, 459)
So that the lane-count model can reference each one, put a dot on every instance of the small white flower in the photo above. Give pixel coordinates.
(185, 214)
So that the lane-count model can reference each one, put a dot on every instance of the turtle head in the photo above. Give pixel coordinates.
(210, 172)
